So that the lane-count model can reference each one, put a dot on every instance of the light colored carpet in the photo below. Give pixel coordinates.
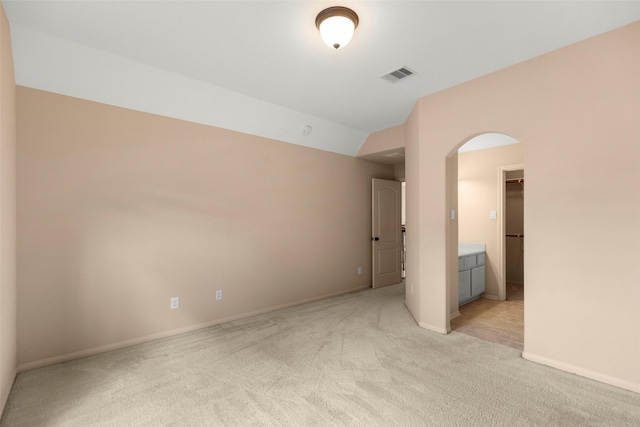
(358, 360)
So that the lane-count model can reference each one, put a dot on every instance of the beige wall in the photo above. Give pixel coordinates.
(121, 210)
(389, 139)
(477, 196)
(399, 171)
(7, 213)
(576, 111)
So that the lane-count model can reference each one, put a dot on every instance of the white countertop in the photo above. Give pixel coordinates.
(470, 248)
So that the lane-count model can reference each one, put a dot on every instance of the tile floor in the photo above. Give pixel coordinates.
(495, 321)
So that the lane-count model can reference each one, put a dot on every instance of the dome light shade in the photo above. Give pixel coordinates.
(336, 25)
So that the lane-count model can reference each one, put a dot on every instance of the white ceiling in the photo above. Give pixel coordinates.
(487, 140)
(260, 66)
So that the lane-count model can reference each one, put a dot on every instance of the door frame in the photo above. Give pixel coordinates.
(502, 253)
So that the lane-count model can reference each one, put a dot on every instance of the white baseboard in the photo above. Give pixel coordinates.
(434, 328)
(128, 343)
(454, 314)
(6, 392)
(587, 373)
(489, 296)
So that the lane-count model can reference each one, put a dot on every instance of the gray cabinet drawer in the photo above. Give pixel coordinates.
(466, 262)
(480, 259)
(470, 261)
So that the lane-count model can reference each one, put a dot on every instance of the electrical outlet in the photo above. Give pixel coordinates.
(218, 295)
(359, 270)
(175, 303)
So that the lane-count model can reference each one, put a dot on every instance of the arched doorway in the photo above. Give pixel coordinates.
(478, 222)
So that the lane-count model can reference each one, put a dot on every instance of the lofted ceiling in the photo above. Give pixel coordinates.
(260, 66)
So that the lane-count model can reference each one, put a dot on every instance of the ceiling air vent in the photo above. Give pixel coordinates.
(397, 75)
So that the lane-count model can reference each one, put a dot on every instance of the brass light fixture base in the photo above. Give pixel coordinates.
(337, 11)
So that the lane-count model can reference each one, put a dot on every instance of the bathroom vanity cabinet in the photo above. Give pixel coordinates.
(471, 272)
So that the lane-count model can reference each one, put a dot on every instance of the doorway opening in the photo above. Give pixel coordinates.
(483, 203)
(514, 235)
(403, 216)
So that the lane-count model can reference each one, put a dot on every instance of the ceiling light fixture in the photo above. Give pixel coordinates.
(336, 25)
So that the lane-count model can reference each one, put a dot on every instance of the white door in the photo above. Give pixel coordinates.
(386, 233)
